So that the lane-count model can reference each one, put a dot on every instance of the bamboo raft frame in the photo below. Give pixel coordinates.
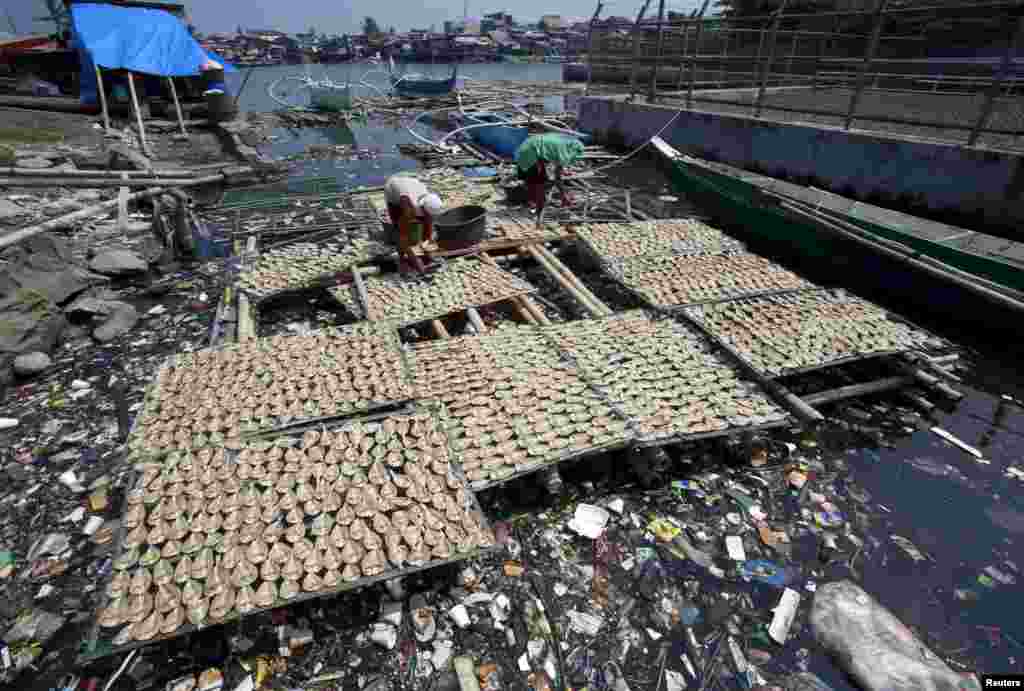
(188, 628)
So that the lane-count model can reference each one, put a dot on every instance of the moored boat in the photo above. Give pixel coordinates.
(330, 97)
(501, 139)
(822, 227)
(420, 86)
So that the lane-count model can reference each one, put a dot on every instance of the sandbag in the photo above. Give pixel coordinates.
(874, 647)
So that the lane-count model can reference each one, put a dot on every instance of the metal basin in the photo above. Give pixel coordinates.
(460, 227)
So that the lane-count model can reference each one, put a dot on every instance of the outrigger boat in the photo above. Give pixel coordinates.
(420, 86)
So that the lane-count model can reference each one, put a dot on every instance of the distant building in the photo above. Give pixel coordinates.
(551, 22)
(449, 27)
(501, 20)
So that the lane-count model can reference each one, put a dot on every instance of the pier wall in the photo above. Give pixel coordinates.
(973, 187)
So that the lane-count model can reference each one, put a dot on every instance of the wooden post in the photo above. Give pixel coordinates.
(993, 90)
(869, 56)
(103, 100)
(817, 62)
(696, 50)
(792, 54)
(637, 33)
(177, 106)
(361, 290)
(767, 66)
(138, 113)
(682, 56)
(629, 205)
(590, 46)
(725, 55)
(652, 94)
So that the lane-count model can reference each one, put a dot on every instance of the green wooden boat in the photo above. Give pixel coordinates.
(806, 220)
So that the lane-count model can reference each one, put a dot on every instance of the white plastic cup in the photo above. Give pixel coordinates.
(92, 525)
(460, 615)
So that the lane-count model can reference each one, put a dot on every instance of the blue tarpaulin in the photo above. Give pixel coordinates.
(146, 41)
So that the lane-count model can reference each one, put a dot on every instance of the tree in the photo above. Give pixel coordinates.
(371, 27)
(391, 30)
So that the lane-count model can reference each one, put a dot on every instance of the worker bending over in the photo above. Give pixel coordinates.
(412, 209)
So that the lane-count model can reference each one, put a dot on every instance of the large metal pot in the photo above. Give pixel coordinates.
(460, 227)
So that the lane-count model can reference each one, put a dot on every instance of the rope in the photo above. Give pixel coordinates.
(634, 152)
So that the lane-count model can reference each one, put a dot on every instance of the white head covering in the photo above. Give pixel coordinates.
(431, 203)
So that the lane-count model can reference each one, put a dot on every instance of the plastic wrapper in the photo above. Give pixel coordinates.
(874, 647)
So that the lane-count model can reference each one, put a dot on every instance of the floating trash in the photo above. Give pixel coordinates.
(687, 236)
(457, 285)
(785, 334)
(210, 396)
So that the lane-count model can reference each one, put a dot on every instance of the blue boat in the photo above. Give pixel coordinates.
(418, 86)
(501, 139)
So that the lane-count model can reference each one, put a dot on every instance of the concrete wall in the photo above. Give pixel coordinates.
(977, 188)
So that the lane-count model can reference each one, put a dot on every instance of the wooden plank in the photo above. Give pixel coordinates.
(855, 390)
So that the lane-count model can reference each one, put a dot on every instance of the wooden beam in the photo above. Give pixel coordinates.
(177, 106)
(574, 279)
(590, 307)
(439, 329)
(103, 100)
(475, 320)
(138, 114)
(855, 390)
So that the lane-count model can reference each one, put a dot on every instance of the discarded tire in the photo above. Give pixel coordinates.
(874, 647)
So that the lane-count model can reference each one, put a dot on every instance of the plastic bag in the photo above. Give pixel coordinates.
(874, 647)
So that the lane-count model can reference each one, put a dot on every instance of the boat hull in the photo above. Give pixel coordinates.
(330, 99)
(499, 139)
(810, 248)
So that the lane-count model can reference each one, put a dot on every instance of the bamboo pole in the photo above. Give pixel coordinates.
(475, 320)
(993, 90)
(766, 67)
(97, 174)
(557, 263)
(439, 329)
(696, 50)
(103, 100)
(177, 106)
(637, 33)
(652, 93)
(523, 303)
(855, 390)
(869, 56)
(138, 114)
(568, 280)
(63, 221)
(682, 55)
(581, 299)
(60, 181)
(357, 277)
(246, 325)
(590, 45)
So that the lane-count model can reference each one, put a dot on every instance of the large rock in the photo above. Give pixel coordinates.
(43, 265)
(874, 647)
(11, 213)
(31, 363)
(122, 318)
(118, 263)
